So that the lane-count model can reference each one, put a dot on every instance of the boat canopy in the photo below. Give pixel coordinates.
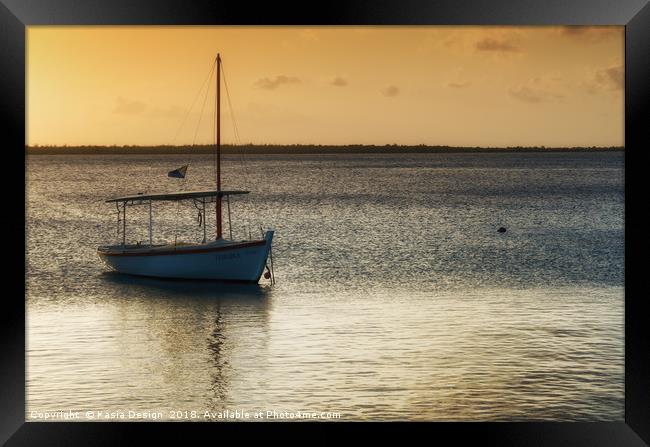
(175, 196)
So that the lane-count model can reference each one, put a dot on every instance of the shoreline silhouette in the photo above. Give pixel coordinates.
(260, 149)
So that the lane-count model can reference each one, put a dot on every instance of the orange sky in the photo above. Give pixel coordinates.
(458, 86)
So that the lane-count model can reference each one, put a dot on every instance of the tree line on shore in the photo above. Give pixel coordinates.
(298, 149)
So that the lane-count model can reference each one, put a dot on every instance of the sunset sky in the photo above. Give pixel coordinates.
(457, 86)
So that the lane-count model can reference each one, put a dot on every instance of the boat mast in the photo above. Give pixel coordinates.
(218, 210)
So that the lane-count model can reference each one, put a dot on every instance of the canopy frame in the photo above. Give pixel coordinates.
(210, 195)
(198, 197)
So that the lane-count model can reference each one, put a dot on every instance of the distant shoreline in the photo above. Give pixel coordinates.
(298, 149)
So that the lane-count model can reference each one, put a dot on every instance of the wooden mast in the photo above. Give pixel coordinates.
(218, 208)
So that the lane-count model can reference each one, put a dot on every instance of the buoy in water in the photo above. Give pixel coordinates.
(501, 230)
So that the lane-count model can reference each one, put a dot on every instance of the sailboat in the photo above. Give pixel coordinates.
(218, 259)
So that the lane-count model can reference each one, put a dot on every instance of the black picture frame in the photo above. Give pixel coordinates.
(15, 15)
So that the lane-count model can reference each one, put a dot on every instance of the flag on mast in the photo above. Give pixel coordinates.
(178, 173)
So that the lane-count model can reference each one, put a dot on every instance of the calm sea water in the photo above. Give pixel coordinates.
(396, 298)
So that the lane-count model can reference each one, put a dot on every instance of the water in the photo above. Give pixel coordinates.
(396, 298)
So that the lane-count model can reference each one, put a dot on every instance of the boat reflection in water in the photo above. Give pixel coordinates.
(191, 336)
(189, 289)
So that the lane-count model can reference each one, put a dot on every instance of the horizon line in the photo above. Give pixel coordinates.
(419, 145)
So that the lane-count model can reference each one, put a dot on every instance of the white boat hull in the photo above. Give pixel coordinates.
(219, 260)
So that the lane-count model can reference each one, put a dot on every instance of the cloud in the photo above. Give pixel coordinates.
(611, 78)
(272, 84)
(391, 90)
(589, 33)
(126, 107)
(309, 34)
(273, 115)
(459, 84)
(339, 82)
(489, 44)
(533, 95)
(544, 88)
(573, 30)
(607, 79)
(525, 94)
(452, 41)
(173, 111)
(457, 78)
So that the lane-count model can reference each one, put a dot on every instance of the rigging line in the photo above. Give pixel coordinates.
(198, 125)
(232, 111)
(187, 114)
(242, 156)
(235, 128)
(206, 81)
